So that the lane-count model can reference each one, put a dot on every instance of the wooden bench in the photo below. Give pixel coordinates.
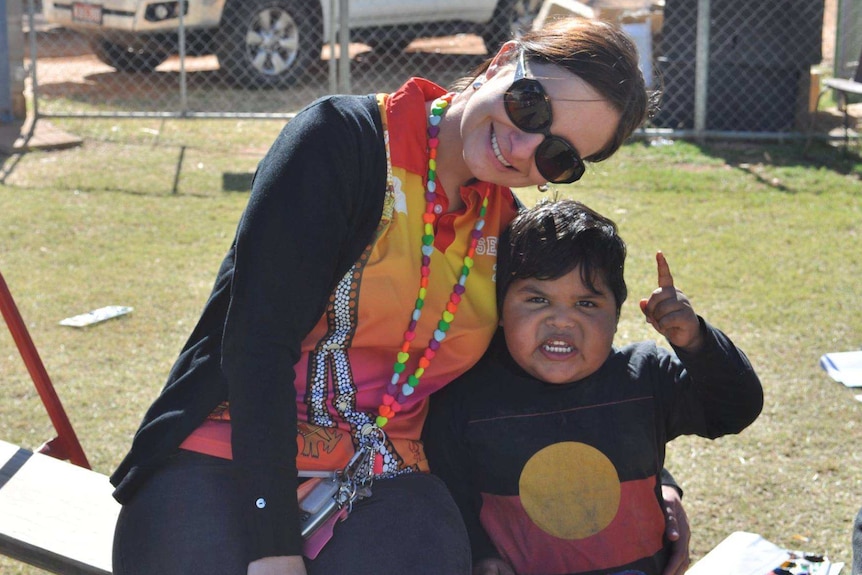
(55, 515)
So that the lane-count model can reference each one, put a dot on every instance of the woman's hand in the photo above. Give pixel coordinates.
(677, 530)
(492, 566)
(287, 565)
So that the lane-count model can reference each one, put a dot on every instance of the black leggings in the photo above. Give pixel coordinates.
(183, 522)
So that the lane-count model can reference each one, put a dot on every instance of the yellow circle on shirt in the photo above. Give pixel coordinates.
(570, 490)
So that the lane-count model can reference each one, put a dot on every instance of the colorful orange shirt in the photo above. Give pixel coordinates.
(347, 359)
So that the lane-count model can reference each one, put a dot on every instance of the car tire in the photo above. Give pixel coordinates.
(126, 59)
(511, 19)
(269, 43)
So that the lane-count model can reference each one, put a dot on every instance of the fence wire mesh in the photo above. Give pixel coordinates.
(759, 56)
(271, 57)
(251, 56)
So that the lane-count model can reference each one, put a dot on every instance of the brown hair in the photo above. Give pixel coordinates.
(602, 55)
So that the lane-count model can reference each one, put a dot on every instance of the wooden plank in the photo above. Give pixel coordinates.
(55, 515)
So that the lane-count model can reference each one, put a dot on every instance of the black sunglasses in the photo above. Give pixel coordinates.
(529, 107)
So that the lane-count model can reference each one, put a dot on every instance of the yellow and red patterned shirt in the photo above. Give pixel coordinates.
(347, 359)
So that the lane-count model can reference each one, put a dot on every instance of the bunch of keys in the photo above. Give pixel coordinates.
(325, 500)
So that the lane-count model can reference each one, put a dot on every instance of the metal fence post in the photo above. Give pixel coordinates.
(701, 67)
(34, 56)
(184, 103)
(5, 77)
(344, 55)
(12, 104)
(333, 41)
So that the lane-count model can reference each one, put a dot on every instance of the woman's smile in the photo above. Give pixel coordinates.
(495, 146)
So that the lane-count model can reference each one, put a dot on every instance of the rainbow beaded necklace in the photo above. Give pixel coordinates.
(397, 391)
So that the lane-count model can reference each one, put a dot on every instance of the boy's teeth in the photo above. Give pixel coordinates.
(557, 347)
(496, 148)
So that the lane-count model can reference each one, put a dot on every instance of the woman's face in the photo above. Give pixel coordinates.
(495, 150)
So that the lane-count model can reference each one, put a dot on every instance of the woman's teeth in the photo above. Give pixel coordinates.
(496, 148)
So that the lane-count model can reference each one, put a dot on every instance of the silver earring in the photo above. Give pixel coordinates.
(543, 187)
(477, 84)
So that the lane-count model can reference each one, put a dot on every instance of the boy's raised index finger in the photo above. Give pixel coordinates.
(665, 279)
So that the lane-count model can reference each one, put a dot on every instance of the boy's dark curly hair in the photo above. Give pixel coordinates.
(555, 237)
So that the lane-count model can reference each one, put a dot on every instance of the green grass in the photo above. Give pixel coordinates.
(763, 239)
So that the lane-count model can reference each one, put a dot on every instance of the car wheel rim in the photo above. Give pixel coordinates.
(272, 41)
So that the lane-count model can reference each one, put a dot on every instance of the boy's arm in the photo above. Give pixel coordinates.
(717, 392)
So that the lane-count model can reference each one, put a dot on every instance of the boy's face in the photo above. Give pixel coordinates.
(559, 331)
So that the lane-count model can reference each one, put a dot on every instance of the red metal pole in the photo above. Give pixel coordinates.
(66, 444)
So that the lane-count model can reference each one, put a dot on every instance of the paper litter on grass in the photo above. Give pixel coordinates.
(743, 553)
(844, 367)
(96, 316)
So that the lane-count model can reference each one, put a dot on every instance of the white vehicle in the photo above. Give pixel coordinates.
(272, 42)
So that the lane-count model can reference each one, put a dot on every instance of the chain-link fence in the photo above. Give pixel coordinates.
(757, 58)
(744, 68)
(252, 56)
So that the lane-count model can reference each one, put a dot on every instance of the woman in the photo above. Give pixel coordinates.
(344, 302)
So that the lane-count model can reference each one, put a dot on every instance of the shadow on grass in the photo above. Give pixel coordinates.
(829, 155)
(752, 156)
(8, 165)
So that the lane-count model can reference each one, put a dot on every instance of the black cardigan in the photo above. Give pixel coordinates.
(315, 202)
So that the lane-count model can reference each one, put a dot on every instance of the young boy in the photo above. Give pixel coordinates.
(553, 444)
